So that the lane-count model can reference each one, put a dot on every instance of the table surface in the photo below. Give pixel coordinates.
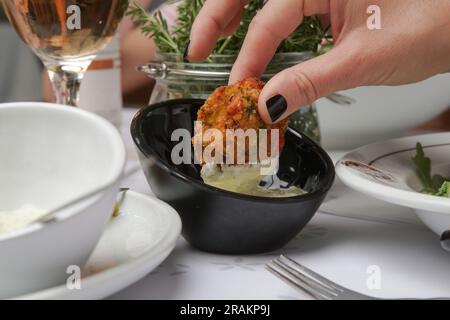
(407, 258)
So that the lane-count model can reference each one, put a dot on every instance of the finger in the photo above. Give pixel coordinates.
(210, 23)
(233, 25)
(340, 69)
(273, 23)
(325, 20)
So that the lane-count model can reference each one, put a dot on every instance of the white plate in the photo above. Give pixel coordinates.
(345, 202)
(133, 244)
(385, 171)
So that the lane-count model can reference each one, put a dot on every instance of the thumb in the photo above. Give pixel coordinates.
(304, 83)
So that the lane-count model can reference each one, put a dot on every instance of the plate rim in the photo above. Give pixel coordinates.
(406, 198)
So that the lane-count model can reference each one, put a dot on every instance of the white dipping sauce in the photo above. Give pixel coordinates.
(17, 219)
(246, 179)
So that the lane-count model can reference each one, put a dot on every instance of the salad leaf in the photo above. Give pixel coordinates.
(444, 191)
(432, 184)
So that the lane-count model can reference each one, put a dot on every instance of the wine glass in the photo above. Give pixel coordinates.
(66, 35)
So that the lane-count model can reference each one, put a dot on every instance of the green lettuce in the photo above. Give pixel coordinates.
(432, 184)
(444, 191)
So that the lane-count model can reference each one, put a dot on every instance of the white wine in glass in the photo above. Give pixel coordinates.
(66, 35)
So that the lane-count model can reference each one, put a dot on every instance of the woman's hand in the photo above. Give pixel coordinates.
(412, 45)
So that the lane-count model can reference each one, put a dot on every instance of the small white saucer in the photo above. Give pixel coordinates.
(133, 244)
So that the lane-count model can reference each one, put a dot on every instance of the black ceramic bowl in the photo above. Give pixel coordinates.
(219, 221)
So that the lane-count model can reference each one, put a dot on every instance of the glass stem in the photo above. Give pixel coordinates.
(66, 82)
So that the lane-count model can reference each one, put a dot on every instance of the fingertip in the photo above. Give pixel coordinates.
(233, 79)
(276, 107)
(262, 105)
(240, 72)
(275, 103)
(200, 44)
(236, 75)
(197, 49)
(263, 112)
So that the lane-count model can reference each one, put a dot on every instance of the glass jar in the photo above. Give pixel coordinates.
(177, 79)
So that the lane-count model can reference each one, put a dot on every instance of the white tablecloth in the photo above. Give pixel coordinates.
(409, 258)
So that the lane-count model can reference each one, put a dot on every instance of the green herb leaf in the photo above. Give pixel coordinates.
(307, 37)
(423, 167)
(444, 190)
(432, 184)
(154, 26)
(249, 110)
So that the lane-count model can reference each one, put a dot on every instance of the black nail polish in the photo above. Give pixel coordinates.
(186, 52)
(277, 106)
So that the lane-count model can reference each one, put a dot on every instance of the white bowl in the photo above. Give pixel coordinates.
(50, 154)
(381, 113)
(385, 171)
(133, 244)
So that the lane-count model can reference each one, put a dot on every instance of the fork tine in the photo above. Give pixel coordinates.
(311, 283)
(294, 282)
(286, 279)
(311, 274)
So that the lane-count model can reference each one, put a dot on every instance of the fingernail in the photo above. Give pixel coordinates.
(186, 52)
(276, 106)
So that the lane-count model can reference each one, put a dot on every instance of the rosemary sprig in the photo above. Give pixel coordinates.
(307, 37)
(154, 26)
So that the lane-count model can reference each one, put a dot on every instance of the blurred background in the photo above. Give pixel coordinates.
(22, 77)
(20, 69)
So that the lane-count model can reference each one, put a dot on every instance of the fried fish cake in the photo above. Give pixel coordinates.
(236, 107)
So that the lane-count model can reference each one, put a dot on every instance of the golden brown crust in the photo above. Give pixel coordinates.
(236, 107)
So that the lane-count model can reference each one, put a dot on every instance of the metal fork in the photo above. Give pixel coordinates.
(313, 284)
